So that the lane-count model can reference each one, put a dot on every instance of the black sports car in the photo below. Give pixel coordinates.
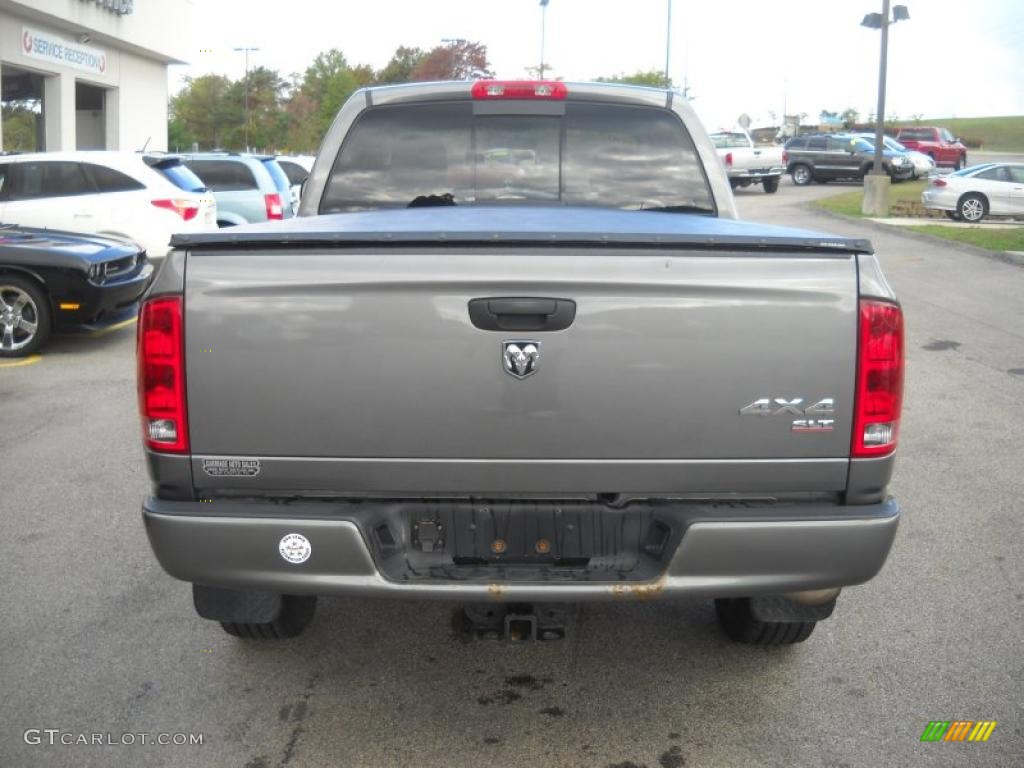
(51, 280)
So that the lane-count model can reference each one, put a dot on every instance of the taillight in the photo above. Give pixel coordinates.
(939, 183)
(273, 203)
(879, 396)
(728, 159)
(519, 89)
(187, 209)
(161, 375)
(785, 157)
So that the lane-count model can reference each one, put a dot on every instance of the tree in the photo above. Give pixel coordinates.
(267, 122)
(204, 112)
(653, 77)
(325, 86)
(21, 123)
(850, 117)
(401, 66)
(460, 60)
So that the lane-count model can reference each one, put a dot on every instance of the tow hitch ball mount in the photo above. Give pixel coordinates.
(516, 622)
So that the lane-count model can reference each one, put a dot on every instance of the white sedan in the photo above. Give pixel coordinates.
(992, 189)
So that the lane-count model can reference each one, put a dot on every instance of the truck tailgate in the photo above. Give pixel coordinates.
(359, 369)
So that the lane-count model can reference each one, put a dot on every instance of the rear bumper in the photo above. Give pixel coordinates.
(744, 174)
(714, 553)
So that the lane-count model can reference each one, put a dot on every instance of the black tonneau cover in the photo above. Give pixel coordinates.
(512, 224)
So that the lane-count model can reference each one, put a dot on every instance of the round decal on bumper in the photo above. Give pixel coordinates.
(295, 548)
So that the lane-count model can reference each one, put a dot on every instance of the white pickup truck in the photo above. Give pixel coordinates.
(746, 164)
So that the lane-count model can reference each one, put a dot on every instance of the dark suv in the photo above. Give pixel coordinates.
(820, 157)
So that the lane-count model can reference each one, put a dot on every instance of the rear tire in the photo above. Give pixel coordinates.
(801, 175)
(771, 186)
(296, 613)
(736, 619)
(972, 207)
(25, 321)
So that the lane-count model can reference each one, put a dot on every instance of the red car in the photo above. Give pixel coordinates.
(938, 143)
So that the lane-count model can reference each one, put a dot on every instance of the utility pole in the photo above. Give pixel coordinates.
(877, 169)
(543, 30)
(876, 183)
(246, 51)
(668, 43)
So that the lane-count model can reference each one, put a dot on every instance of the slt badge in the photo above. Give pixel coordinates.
(520, 358)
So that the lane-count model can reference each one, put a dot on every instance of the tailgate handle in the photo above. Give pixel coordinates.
(522, 314)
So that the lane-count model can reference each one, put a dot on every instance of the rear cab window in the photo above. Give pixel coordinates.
(224, 175)
(629, 157)
(917, 134)
(729, 140)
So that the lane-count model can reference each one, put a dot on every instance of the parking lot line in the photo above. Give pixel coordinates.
(112, 328)
(19, 363)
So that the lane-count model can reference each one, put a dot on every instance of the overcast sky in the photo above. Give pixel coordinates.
(953, 58)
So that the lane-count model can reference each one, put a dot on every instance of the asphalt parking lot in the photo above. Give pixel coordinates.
(96, 638)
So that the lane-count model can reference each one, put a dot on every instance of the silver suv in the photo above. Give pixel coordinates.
(248, 188)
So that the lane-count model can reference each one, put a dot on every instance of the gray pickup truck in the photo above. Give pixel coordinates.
(516, 350)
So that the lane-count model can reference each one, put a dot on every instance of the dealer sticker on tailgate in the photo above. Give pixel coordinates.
(231, 467)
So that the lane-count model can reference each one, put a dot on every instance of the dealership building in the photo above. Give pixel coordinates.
(88, 74)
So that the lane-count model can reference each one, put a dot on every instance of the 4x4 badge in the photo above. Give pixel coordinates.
(520, 358)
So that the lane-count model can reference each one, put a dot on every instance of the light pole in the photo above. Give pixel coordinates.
(668, 42)
(246, 51)
(876, 184)
(543, 29)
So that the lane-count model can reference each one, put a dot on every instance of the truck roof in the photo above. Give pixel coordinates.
(508, 225)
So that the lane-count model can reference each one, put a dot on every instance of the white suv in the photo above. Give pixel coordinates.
(142, 197)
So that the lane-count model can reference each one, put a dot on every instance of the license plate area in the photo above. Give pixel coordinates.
(523, 541)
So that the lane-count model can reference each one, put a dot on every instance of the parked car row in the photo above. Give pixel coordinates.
(78, 229)
(924, 165)
(143, 198)
(823, 157)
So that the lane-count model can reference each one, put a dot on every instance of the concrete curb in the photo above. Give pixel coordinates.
(1013, 258)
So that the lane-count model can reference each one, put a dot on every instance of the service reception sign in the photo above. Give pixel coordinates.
(56, 50)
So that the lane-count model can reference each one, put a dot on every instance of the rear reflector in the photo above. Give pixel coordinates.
(184, 208)
(519, 89)
(879, 396)
(274, 209)
(161, 375)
